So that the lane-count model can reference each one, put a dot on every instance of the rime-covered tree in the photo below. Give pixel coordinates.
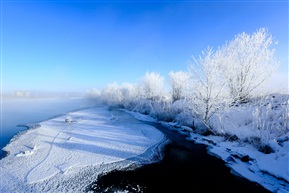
(130, 94)
(206, 84)
(179, 82)
(247, 62)
(152, 86)
(112, 95)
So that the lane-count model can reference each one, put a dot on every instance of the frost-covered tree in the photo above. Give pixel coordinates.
(247, 62)
(112, 95)
(206, 84)
(124, 95)
(152, 86)
(130, 94)
(179, 82)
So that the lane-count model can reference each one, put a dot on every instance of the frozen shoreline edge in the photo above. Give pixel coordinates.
(18, 135)
(151, 154)
(30, 126)
(266, 179)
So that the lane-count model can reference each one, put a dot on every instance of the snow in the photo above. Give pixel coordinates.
(260, 122)
(269, 170)
(67, 156)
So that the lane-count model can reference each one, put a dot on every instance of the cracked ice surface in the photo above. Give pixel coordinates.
(66, 157)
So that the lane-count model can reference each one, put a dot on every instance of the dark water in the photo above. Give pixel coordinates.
(186, 167)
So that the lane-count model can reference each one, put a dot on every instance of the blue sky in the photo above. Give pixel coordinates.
(80, 45)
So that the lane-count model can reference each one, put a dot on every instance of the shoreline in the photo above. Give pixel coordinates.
(18, 111)
(232, 153)
(92, 144)
(18, 135)
(215, 147)
(185, 167)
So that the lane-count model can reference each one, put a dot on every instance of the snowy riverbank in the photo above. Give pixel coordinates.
(269, 170)
(66, 157)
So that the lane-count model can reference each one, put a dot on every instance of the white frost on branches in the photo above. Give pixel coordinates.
(207, 84)
(247, 62)
(179, 83)
(152, 86)
(217, 93)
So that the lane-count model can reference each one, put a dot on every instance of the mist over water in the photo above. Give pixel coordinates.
(19, 111)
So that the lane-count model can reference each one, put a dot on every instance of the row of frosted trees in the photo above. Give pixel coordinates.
(216, 80)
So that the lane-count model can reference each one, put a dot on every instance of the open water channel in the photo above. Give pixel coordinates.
(185, 168)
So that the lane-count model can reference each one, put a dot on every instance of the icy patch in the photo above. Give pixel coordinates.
(67, 156)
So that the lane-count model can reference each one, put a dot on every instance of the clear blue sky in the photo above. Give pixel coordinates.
(80, 45)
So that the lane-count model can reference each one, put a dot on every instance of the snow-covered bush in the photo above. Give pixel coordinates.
(143, 106)
(179, 82)
(271, 117)
(259, 122)
(125, 95)
(130, 95)
(151, 86)
(235, 120)
(162, 110)
(183, 114)
(112, 95)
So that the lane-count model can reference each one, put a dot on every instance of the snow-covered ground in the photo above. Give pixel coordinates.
(269, 170)
(62, 156)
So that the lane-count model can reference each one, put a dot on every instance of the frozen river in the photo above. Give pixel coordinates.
(24, 111)
(18, 111)
(62, 156)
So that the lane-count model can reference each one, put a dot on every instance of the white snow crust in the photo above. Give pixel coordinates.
(64, 156)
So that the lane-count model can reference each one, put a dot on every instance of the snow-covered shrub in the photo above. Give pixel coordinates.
(271, 117)
(185, 118)
(112, 95)
(235, 121)
(259, 122)
(125, 95)
(162, 110)
(130, 95)
(143, 106)
(151, 86)
(182, 113)
(179, 82)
